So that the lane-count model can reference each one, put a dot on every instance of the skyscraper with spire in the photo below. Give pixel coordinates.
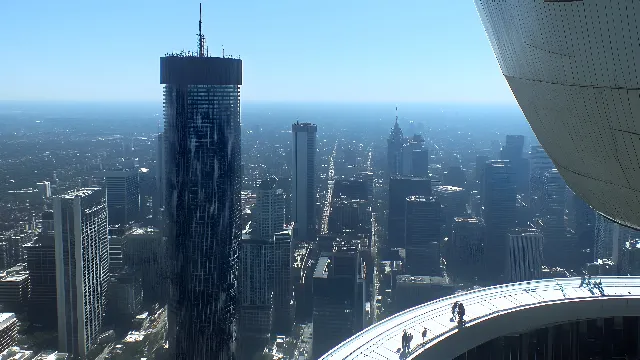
(394, 149)
(202, 200)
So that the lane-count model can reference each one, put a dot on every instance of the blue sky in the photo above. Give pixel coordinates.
(292, 50)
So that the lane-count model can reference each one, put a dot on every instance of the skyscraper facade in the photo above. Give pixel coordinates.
(123, 196)
(499, 207)
(525, 255)
(401, 187)
(202, 201)
(270, 207)
(539, 163)
(423, 233)
(558, 246)
(304, 180)
(283, 307)
(82, 267)
(513, 151)
(394, 150)
(465, 254)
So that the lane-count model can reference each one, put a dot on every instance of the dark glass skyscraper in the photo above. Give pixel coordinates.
(202, 200)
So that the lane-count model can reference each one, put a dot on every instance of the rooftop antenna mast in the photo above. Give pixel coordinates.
(396, 115)
(201, 47)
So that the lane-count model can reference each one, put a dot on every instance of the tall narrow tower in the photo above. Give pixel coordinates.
(303, 187)
(202, 200)
(394, 149)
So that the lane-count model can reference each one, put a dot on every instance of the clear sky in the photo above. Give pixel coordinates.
(292, 50)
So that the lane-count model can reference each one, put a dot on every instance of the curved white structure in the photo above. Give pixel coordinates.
(490, 313)
(574, 67)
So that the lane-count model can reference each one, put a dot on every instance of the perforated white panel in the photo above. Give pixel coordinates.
(573, 67)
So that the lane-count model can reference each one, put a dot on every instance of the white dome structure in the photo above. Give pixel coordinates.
(574, 68)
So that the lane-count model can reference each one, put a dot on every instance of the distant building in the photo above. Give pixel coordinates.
(338, 300)
(420, 163)
(144, 253)
(8, 330)
(269, 209)
(423, 235)
(123, 196)
(401, 187)
(465, 260)
(283, 304)
(351, 189)
(14, 289)
(539, 164)
(558, 247)
(513, 151)
(125, 295)
(41, 264)
(303, 173)
(45, 188)
(499, 208)
(82, 267)
(412, 291)
(255, 296)
(454, 202)
(394, 150)
(525, 255)
(455, 177)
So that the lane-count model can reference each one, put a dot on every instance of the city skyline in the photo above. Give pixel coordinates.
(406, 52)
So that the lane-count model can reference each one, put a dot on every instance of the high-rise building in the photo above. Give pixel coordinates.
(539, 163)
(351, 189)
(499, 207)
(455, 177)
(123, 196)
(512, 151)
(584, 224)
(283, 307)
(158, 199)
(368, 179)
(525, 255)
(202, 200)
(420, 163)
(401, 187)
(454, 204)
(14, 289)
(269, 209)
(423, 235)
(394, 150)
(41, 263)
(255, 296)
(8, 330)
(557, 245)
(82, 267)
(338, 300)
(303, 188)
(408, 165)
(466, 251)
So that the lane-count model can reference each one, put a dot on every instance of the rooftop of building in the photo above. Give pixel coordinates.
(6, 318)
(51, 355)
(322, 268)
(79, 192)
(434, 280)
(446, 189)
(15, 353)
(18, 277)
(466, 220)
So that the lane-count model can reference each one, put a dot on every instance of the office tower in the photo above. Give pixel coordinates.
(557, 248)
(423, 234)
(410, 291)
(412, 145)
(145, 255)
(269, 209)
(454, 204)
(45, 188)
(350, 189)
(283, 307)
(123, 196)
(304, 184)
(82, 267)
(255, 293)
(116, 253)
(588, 154)
(455, 177)
(350, 216)
(41, 263)
(202, 200)
(481, 160)
(512, 151)
(400, 188)
(14, 289)
(584, 224)
(525, 255)
(394, 150)
(499, 207)
(368, 179)
(125, 297)
(420, 163)
(611, 239)
(539, 163)
(338, 300)
(8, 330)
(158, 200)
(466, 251)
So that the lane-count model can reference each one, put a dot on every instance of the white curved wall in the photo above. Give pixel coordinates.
(574, 67)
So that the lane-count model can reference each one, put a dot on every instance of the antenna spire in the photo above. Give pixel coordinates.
(396, 115)
(201, 47)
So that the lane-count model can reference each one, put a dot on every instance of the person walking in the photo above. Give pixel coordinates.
(461, 314)
(454, 308)
(424, 334)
